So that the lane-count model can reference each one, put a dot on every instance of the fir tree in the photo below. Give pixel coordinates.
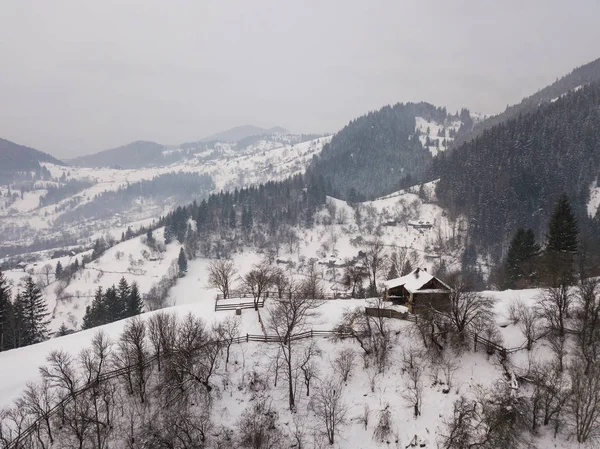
(563, 229)
(182, 262)
(114, 306)
(5, 312)
(562, 244)
(35, 314)
(19, 324)
(62, 330)
(135, 304)
(96, 314)
(149, 237)
(59, 270)
(520, 266)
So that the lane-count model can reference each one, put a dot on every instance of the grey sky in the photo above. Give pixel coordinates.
(79, 76)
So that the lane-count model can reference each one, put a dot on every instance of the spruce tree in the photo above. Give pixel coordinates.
(35, 314)
(520, 265)
(182, 262)
(563, 229)
(135, 304)
(5, 311)
(59, 270)
(19, 322)
(562, 244)
(114, 306)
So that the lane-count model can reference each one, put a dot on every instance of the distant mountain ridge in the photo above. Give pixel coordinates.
(15, 158)
(242, 132)
(144, 153)
(580, 76)
(132, 155)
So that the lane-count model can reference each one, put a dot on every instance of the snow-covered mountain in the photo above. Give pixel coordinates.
(80, 203)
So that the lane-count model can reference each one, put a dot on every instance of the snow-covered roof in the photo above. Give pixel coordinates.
(414, 281)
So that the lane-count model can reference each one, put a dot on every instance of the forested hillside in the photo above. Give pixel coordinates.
(580, 76)
(15, 159)
(134, 155)
(385, 150)
(512, 174)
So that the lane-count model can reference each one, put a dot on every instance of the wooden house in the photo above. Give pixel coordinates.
(418, 290)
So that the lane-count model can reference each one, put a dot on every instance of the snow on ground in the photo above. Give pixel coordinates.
(474, 370)
(438, 133)
(266, 160)
(594, 201)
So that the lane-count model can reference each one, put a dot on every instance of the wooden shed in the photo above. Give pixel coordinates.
(418, 290)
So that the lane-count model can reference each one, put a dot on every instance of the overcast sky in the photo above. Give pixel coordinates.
(79, 76)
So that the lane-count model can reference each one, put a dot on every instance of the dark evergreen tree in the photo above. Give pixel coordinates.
(135, 304)
(62, 330)
(123, 294)
(520, 265)
(59, 270)
(182, 262)
(114, 306)
(5, 312)
(149, 237)
(35, 314)
(168, 232)
(563, 229)
(19, 330)
(562, 244)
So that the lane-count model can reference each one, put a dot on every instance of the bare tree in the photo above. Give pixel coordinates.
(220, 276)
(162, 331)
(329, 408)
(374, 262)
(38, 400)
(383, 430)
(554, 305)
(47, 270)
(413, 366)
(467, 309)
(587, 321)
(353, 278)
(308, 365)
(258, 427)
(584, 403)
(529, 324)
(310, 286)
(133, 352)
(227, 331)
(370, 332)
(258, 280)
(344, 363)
(287, 317)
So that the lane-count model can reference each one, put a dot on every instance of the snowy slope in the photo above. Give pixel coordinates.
(437, 134)
(229, 166)
(338, 234)
(474, 370)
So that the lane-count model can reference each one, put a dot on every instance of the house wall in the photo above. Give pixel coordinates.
(439, 301)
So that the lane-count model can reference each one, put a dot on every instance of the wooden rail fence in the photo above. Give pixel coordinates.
(102, 377)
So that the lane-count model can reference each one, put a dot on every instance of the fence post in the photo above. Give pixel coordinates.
(247, 338)
(475, 343)
(311, 333)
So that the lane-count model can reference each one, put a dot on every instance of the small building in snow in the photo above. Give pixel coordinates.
(418, 290)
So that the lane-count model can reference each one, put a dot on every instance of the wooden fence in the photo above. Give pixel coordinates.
(489, 345)
(102, 377)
